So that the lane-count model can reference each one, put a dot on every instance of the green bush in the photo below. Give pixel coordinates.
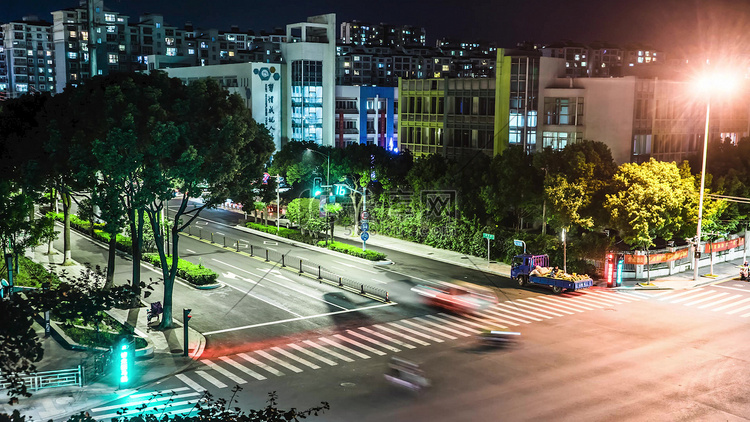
(196, 274)
(353, 250)
(292, 234)
(92, 338)
(32, 274)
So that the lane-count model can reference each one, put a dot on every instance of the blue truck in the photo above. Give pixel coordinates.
(522, 270)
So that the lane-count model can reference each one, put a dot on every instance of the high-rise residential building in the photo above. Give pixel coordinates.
(362, 33)
(26, 57)
(602, 59)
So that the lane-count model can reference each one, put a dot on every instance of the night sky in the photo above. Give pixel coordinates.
(671, 25)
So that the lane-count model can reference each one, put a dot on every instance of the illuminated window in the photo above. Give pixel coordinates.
(446, 68)
(169, 41)
(72, 34)
(111, 29)
(121, 47)
(640, 53)
(578, 57)
(640, 59)
(84, 35)
(171, 51)
(583, 63)
(112, 58)
(108, 17)
(72, 55)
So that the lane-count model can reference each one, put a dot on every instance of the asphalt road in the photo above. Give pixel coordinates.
(598, 355)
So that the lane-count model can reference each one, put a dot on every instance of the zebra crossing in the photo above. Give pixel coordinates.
(727, 299)
(391, 337)
(177, 401)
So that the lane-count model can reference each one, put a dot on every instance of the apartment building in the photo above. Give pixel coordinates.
(26, 57)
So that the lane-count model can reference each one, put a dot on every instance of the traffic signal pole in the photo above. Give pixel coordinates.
(185, 318)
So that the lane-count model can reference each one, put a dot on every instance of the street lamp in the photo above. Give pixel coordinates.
(328, 158)
(708, 84)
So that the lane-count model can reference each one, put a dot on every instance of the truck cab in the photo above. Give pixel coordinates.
(523, 264)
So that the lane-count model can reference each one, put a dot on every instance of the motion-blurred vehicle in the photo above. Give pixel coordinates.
(498, 337)
(285, 222)
(455, 298)
(406, 374)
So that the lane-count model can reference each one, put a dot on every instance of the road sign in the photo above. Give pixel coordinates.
(365, 215)
(489, 236)
(365, 236)
(517, 242)
(365, 226)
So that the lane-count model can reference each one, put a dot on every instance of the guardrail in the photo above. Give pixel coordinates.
(51, 379)
(292, 262)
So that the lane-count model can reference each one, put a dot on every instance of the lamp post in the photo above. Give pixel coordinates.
(328, 183)
(696, 256)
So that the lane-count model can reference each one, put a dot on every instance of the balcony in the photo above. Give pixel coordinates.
(347, 111)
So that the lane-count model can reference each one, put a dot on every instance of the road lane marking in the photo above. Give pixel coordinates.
(263, 324)
(705, 299)
(278, 361)
(518, 312)
(161, 395)
(243, 368)
(517, 305)
(220, 233)
(160, 392)
(441, 321)
(680, 294)
(190, 383)
(263, 300)
(726, 299)
(491, 319)
(360, 345)
(731, 305)
(373, 341)
(328, 351)
(728, 287)
(355, 267)
(415, 332)
(450, 330)
(280, 284)
(261, 365)
(385, 337)
(605, 300)
(738, 310)
(707, 292)
(396, 333)
(213, 365)
(189, 250)
(588, 301)
(344, 348)
(211, 379)
(612, 297)
(312, 354)
(573, 303)
(535, 306)
(505, 315)
(554, 305)
(297, 358)
(428, 329)
(464, 321)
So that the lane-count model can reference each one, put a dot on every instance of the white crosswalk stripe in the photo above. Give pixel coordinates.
(505, 315)
(451, 330)
(464, 321)
(575, 304)
(417, 333)
(536, 306)
(726, 299)
(688, 292)
(190, 383)
(611, 296)
(210, 378)
(497, 318)
(706, 299)
(428, 329)
(222, 371)
(329, 351)
(242, 368)
(734, 311)
(358, 344)
(587, 301)
(731, 305)
(691, 297)
(521, 312)
(260, 364)
(296, 358)
(402, 335)
(385, 337)
(158, 402)
(556, 306)
(344, 348)
(443, 321)
(312, 354)
(276, 360)
(486, 319)
(605, 299)
(373, 341)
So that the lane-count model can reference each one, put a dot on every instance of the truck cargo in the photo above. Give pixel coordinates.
(534, 269)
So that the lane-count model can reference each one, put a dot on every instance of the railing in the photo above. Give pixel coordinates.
(51, 379)
(293, 263)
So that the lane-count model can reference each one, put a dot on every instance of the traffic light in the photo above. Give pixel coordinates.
(126, 356)
(316, 186)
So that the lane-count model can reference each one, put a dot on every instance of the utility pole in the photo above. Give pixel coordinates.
(91, 21)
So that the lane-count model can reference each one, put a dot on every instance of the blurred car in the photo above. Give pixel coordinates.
(455, 298)
(499, 337)
(285, 222)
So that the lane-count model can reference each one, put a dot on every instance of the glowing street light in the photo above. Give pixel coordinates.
(708, 85)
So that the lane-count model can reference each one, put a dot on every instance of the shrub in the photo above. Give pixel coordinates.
(196, 274)
(353, 250)
(32, 274)
(283, 232)
(90, 337)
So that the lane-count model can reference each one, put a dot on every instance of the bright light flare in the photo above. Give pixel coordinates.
(721, 83)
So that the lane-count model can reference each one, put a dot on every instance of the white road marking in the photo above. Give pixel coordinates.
(243, 368)
(385, 337)
(396, 333)
(190, 383)
(357, 267)
(260, 364)
(450, 330)
(612, 297)
(373, 341)
(442, 321)
(574, 303)
(536, 306)
(358, 344)
(297, 358)
(680, 294)
(726, 299)
(213, 365)
(262, 324)
(738, 310)
(189, 250)
(263, 300)
(705, 299)
(312, 354)
(220, 233)
(276, 360)
(505, 315)
(417, 333)
(485, 318)
(160, 392)
(329, 351)
(211, 379)
(731, 304)
(515, 311)
(707, 292)
(556, 306)
(728, 287)
(344, 348)
(138, 403)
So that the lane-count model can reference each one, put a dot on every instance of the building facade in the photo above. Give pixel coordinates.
(26, 57)
(366, 115)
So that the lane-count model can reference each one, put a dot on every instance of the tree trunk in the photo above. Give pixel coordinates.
(66, 202)
(111, 254)
(169, 271)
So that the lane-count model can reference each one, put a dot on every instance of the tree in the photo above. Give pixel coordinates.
(20, 347)
(513, 189)
(86, 213)
(655, 199)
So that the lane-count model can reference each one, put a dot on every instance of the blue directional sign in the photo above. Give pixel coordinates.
(365, 236)
(365, 226)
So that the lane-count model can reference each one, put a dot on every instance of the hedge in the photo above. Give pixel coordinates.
(352, 250)
(90, 337)
(196, 274)
(283, 232)
(32, 274)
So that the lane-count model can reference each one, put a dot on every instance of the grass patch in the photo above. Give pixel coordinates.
(33, 274)
(353, 250)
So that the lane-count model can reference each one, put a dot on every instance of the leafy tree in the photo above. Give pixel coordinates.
(655, 199)
(20, 347)
(86, 213)
(513, 189)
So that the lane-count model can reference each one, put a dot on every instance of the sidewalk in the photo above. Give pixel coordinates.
(60, 403)
(724, 271)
